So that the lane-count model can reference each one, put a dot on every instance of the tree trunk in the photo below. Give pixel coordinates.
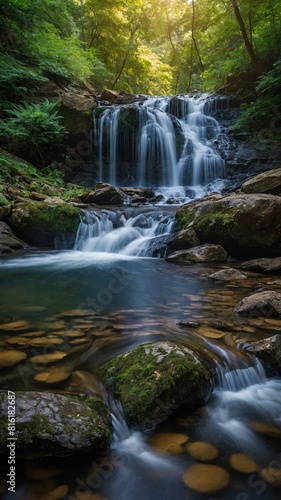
(249, 46)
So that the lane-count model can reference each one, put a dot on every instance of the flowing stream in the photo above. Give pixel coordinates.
(112, 290)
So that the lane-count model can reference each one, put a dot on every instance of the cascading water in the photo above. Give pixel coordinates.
(165, 143)
(127, 233)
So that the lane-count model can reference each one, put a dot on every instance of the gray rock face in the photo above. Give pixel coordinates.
(202, 253)
(56, 424)
(247, 225)
(266, 304)
(269, 352)
(229, 274)
(105, 194)
(266, 182)
(263, 265)
(152, 380)
(8, 241)
(185, 239)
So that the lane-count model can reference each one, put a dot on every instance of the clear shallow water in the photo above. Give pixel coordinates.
(127, 301)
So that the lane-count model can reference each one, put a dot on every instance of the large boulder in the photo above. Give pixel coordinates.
(202, 253)
(57, 425)
(266, 304)
(244, 224)
(8, 241)
(263, 265)
(269, 352)
(266, 182)
(105, 194)
(46, 224)
(152, 380)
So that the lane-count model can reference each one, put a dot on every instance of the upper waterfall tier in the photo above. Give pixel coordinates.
(163, 142)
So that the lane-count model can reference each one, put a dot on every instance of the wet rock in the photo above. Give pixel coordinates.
(46, 224)
(158, 246)
(169, 443)
(146, 193)
(263, 265)
(185, 239)
(202, 253)
(109, 95)
(229, 274)
(267, 182)
(56, 425)
(105, 194)
(200, 450)
(244, 224)
(269, 352)
(8, 241)
(154, 379)
(266, 304)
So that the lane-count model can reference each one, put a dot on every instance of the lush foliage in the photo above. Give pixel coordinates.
(31, 128)
(146, 46)
(155, 46)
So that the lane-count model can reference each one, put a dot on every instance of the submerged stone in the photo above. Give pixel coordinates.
(169, 442)
(200, 450)
(152, 380)
(206, 478)
(243, 463)
(56, 424)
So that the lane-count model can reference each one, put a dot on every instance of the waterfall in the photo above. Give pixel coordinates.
(125, 232)
(164, 143)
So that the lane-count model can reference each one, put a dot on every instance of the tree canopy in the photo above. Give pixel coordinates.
(152, 46)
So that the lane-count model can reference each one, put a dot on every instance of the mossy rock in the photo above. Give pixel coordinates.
(246, 225)
(152, 380)
(46, 225)
(56, 424)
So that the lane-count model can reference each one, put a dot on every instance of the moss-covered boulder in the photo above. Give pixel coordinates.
(46, 224)
(152, 380)
(8, 241)
(56, 425)
(266, 182)
(246, 225)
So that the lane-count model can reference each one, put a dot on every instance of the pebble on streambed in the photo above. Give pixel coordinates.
(206, 478)
(242, 463)
(201, 450)
(10, 357)
(170, 443)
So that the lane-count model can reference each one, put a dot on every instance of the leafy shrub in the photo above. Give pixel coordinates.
(31, 129)
(266, 110)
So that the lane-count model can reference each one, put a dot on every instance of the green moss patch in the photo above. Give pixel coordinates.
(154, 379)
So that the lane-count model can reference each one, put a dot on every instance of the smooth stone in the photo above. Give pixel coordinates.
(206, 478)
(56, 494)
(242, 463)
(170, 443)
(201, 450)
(53, 375)
(15, 326)
(202, 253)
(48, 358)
(267, 304)
(263, 265)
(272, 476)
(229, 274)
(11, 357)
